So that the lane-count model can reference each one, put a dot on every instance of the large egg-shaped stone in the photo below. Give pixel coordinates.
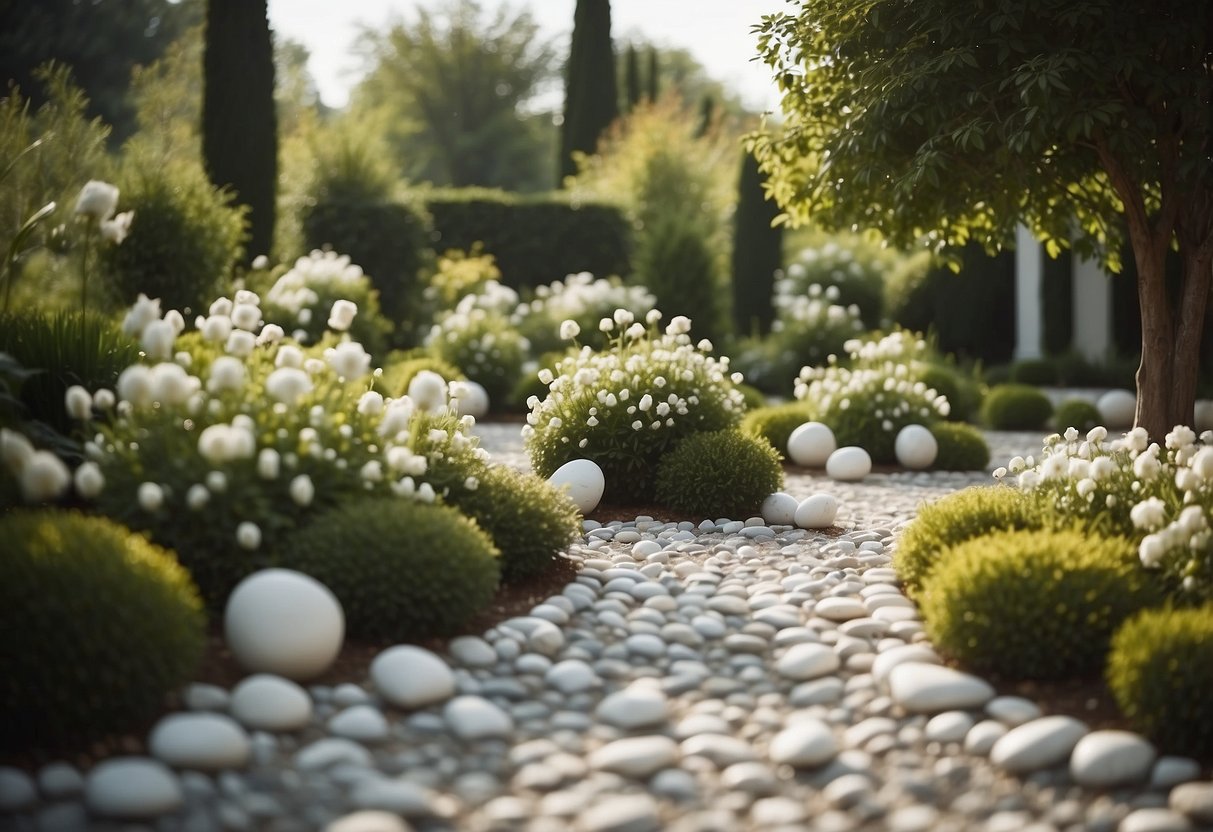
(817, 511)
(915, 447)
(582, 480)
(779, 509)
(284, 622)
(470, 398)
(1202, 418)
(849, 463)
(811, 444)
(1117, 409)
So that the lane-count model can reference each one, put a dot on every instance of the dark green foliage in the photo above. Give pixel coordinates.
(632, 77)
(776, 422)
(99, 625)
(654, 77)
(400, 367)
(1016, 407)
(534, 239)
(1076, 413)
(389, 240)
(529, 521)
(954, 519)
(963, 394)
(754, 398)
(591, 99)
(757, 252)
(1035, 604)
(723, 473)
(1038, 372)
(1160, 671)
(675, 263)
(184, 239)
(401, 569)
(961, 447)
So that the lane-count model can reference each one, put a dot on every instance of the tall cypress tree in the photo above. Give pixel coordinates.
(591, 97)
(654, 74)
(757, 252)
(632, 77)
(239, 123)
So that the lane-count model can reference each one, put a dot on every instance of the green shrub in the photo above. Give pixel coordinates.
(722, 473)
(583, 299)
(754, 398)
(184, 240)
(1160, 671)
(529, 520)
(1037, 372)
(1035, 604)
(964, 394)
(853, 265)
(961, 447)
(1016, 407)
(954, 519)
(402, 569)
(401, 366)
(99, 625)
(457, 274)
(674, 261)
(776, 422)
(483, 345)
(1076, 413)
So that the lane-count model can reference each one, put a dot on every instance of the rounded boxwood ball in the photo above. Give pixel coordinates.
(1016, 407)
(776, 422)
(722, 473)
(98, 625)
(402, 569)
(1037, 604)
(1079, 414)
(961, 447)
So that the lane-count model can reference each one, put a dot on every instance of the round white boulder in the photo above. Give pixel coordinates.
(1202, 418)
(470, 398)
(200, 741)
(779, 509)
(132, 787)
(849, 464)
(1117, 409)
(811, 444)
(284, 622)
(817, 511)
(915, 447)
(582, 480)
(264, 702)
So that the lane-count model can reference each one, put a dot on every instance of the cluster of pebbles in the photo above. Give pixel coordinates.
(729, 675)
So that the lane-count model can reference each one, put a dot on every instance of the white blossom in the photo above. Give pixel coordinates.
(240, 343)
(288, 385)
(269, 463)
(227, 373)
(569, 330)
(78, 402)
(98, 200)
(88, 479)
(248, 535)
(157, 340)
(428, 391)
(150, 496)
(302, 490)
(370, 403)
(342, 315)
(144, 311)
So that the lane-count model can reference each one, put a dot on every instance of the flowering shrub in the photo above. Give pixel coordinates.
(582, 299)
(478, 338)
(869, 402)
(626, 406)
(853, 267)
(456, 275)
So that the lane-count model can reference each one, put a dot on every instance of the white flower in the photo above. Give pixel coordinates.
(135, 385)
(1202, 464)
(150, 496)
(652, 316)
(247, 296)
(372, 471)
(43, 476)
(1149, 514)
(569, 330)
(216, 481)
(1146, 467)
(1137, 440)
(248, 535)
(313, 366)
(115, 230)
(97, 200)
(1151, 550)
(288, 385)
(679, 325)
(157, 340)
(606, 325)
(140, 315)
(227, 373)
(269, 462)
(704, 345)
(1085, 487)
(349, 360)
(302, 490)
(78, 402)
(999, 473)
(428, 391)
(288, 355)
(1192, 520)
(246, 316)
(471, 483)
(635, 332)
(88, 480)
(342, 315)
(197, 497)
(171, 384)
(216, 328)
(103, 399)
(1054, 467)
(1180, 436)
(396, 417)
(261, 262)
(425, 493)
(220, 306)
(1097, 434)
(270, 334)
(623, 317)
(370, 403)
(240, 343)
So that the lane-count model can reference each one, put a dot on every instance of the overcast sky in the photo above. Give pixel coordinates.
(716, 32)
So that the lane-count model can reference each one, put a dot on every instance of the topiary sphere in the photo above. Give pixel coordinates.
(400, 368)
(1160, 671)
(961, 447)
(1079, 414)
(529, 520)
(1016, 407)
(721, 473)
(98, 623)
(775, 423)
(1037, 604)
(956, 518)
(402, 569)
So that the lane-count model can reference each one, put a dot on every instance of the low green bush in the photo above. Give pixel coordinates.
(402, 569)
(1076, 413)
(776, 422)
(1036, 604)
(719, 474)
(961, 447)
(754, 398)
(954, 519)
(1016, 407)
(401, 366)
(484, 346)
(674, 260)
(1037, 372)
(1160, 671)
(963, 392)
(98, 626)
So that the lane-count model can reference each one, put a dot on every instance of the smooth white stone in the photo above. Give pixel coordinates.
(807, 661)
(132, 788)
(472, 651)
(400, 796)
(722, 749)
(572, 676)
(779, 509)
(849, 464)
(331, 751)
(928, 688)
(200, 741)
(817, 511)
(17, 790)
(1117, 408)
(412, 677)
(1171, 771)
(266, 702)
(807, 743)
(583, 481)
(476, 718)
(634, 707)
(284, 622)
(1012, 711)
(1103, 759)
(840, 608)
(361, 723)
(886, 660)
(983, 735)
(1154, 820)
(635, 756)
(811, 444)
(1041, 743)
(1202, 415)
(470, 398)
(1195, 800)
(621, 813)
(369, 820)
(202, 697)
(949, 726)
(915, 447)
(59, 781)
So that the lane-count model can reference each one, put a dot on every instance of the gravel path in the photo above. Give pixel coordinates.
(725, 676)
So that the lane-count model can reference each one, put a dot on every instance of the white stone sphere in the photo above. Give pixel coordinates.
(582, 480)
(779, 509)
(1117, 409)
(849, 464)
(817, 511)
(284, 622)
(470, 398)
(811, 444)
(1202, 418)
(915, 447)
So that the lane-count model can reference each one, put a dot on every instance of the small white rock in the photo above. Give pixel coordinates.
(915, 447)
(265, 702)
(1103, 759)
(928, 688)
(807, 661)
(476, 718)
(849, 464)
(470, 398)
(412, 677)
(811, 444)
(1039, 744)
(582, 480)
(284, 622)
(369, 820)
(817, 511)
(807, 743)
(132, 788)
(635, 756)
(633, 707)
(949, 726)
(17, 790)
(840, 608)
(361, 723)
(1117, 408)
(200, 741)
(779, 509)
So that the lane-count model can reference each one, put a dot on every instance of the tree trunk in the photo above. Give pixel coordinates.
(1155, 373)
(1189, 330)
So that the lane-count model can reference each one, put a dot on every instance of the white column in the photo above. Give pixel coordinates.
(1029, 319)
(1092, 310)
